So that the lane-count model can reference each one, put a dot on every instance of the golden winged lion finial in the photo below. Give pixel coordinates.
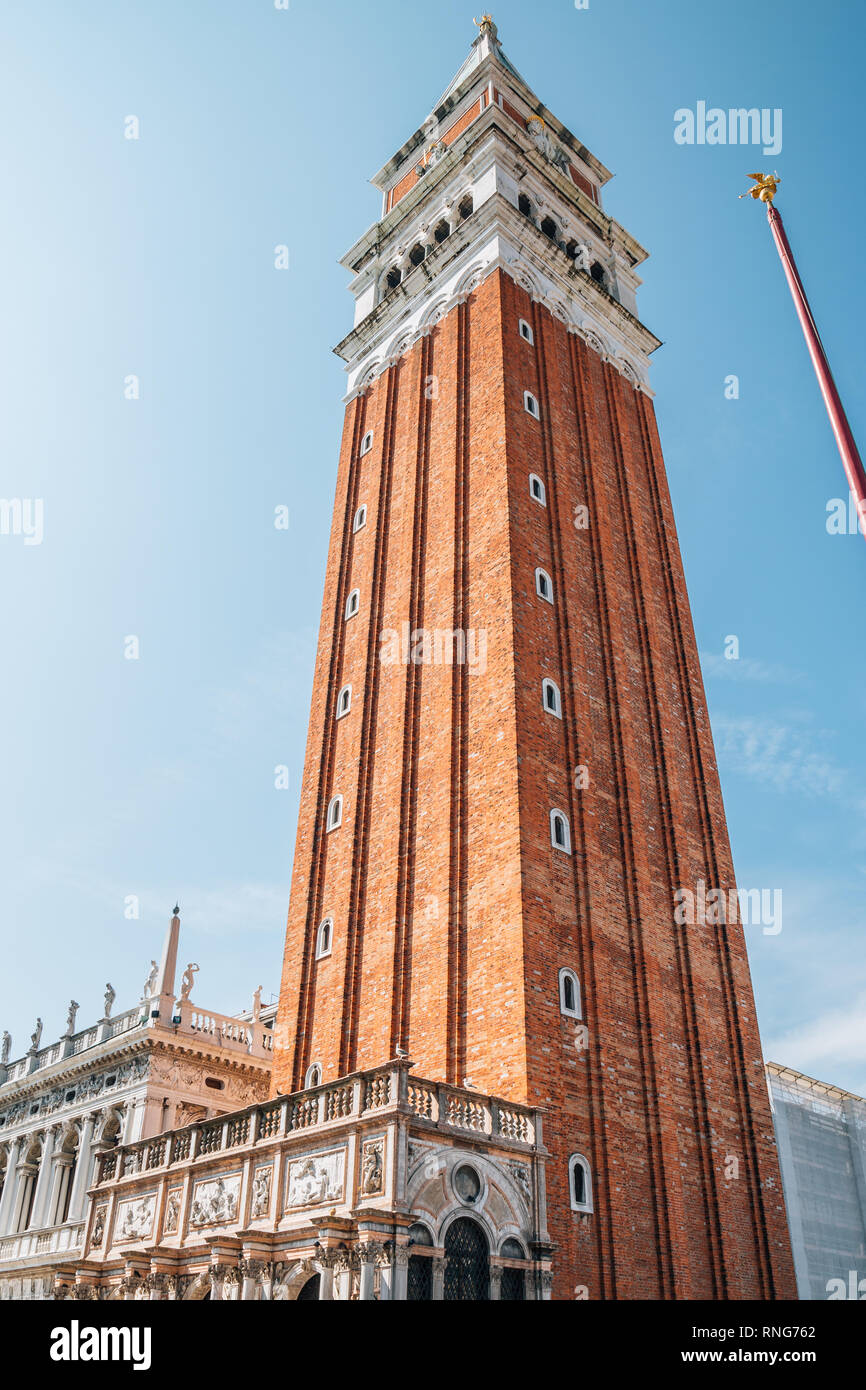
(766, 187)
(485, 24)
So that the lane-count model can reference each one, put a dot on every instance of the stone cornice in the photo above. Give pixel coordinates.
(67, 1069)
(181, 1045)
(496, 236)
(115, 1052)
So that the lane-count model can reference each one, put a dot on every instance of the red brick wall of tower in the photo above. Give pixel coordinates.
(452, 911)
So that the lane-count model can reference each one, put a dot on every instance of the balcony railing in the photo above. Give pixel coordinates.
(233, 1033)
(54, 1241)
(390, 1087)
(254, 1038)
(124, 1022)
(76, 1043)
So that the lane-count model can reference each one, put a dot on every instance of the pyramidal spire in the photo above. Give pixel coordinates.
(486, 45)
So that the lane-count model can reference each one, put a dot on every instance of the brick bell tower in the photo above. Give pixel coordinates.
(509, 769)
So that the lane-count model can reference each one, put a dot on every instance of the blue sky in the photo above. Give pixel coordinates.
(154, 257)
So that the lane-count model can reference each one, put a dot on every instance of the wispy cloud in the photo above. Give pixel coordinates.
(826, 1047)
(787, 756)
(748, 668)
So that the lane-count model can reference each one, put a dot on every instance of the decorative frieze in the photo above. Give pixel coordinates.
(133, 1219)
(373, 1167)
(98, 1233)
(215, 1202)
(260, 1204)
(316, 1178)
(106, 1081)
(172, 1211)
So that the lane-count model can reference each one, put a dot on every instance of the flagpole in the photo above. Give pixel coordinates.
(838, 419)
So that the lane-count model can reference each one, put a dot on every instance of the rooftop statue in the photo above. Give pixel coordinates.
(188, 980)
(150, 982)
(485, 25)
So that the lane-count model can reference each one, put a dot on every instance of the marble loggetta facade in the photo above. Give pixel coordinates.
(127, 1077)
(376, 1186)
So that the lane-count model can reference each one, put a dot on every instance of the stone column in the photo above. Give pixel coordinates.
(495, 1282)
(367, 1254)
(152, 1119)
(61, 1163)
(43, 1182)
(438, 1291)
(400, 1276)
(327, 1259)
(386, 1274)
(25, 1173)
(128, 1135)
(83, 1168)
(10, 1187)
(155, 1284)
(251, 1272)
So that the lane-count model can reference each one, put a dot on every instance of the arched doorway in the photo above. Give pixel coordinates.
(310, 1291)
(467, 1262)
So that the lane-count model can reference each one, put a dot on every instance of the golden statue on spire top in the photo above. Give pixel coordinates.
(485, 25)
(766, 187)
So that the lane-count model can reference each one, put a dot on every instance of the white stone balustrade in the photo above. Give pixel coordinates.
(53, 1240)
(388, 1088)
(254, 1038)
(233, 1033)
